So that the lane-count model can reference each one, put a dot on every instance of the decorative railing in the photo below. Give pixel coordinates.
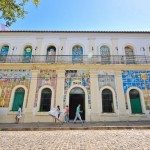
(82, 59)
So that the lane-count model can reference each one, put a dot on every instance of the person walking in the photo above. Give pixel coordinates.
(67, 114)
(18, 115)
(78, 114)
(58, 110)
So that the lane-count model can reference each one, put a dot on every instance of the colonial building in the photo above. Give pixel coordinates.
(108, 73)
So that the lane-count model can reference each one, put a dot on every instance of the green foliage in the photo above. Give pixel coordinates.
(10, 10)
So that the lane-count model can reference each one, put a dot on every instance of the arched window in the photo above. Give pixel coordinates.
(51, 54)
(4, 52)
(45, 104)
(105, 54)
(107, 101)
(129, 52)
(27, 54)
(77, 54)
(18, 99)
(135, 102)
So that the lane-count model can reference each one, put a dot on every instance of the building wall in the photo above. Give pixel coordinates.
(61, 78)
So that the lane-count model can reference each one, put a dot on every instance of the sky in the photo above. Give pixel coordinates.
(86, 15)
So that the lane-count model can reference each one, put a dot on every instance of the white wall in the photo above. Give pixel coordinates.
(68, 40)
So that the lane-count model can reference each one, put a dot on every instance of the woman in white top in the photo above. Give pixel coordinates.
(18, 115)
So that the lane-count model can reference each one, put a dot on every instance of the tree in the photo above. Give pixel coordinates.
(10, 10)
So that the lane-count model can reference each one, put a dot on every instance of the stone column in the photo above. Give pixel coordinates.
(60, 88)
(122, 112)
(31, 97)
(94, 96)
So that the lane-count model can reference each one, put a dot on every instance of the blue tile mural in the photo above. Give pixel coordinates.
(140, 79)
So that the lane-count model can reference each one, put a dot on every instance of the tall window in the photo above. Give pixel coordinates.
(18, 99)
(129, 52)
(135, 102)
(51, 54)
(105, 54)
(4, 52)
(45, 104)
(27, 54)
(107, 101)
(77, 54)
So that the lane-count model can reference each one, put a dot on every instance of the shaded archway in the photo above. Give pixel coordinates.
(51, 54)
(107, 101)
(76, 96)
(105, 54)
(129, 52)
(18, 99)
(45, 102)
(135, 101)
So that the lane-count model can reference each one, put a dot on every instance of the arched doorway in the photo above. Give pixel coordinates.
(18, 99)
(135, 102)
(76, 96)
(51, 54)
(27, 54)
(105, 54)
(4, 52)
(129, 52)
(107, 101)
(77, 54)
(45, 103)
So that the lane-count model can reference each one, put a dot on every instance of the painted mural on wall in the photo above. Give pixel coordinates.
(140, 79)
(107, 78)
(77, 77)
(8, 80)
(46, 77)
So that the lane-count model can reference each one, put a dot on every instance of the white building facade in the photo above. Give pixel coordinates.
(108, 73)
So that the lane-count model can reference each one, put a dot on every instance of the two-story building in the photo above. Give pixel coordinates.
(108, 73)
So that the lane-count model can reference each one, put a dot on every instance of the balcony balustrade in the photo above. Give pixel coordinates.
(82, 59)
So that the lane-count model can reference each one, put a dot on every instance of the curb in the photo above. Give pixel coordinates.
(79, 128)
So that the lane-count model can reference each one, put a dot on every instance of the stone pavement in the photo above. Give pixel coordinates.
(78, 126)
(75, 140)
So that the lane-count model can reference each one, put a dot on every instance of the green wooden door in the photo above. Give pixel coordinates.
(136, 106)
(18, 99)
(135, 102)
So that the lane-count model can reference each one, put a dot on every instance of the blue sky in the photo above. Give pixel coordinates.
(87, 15)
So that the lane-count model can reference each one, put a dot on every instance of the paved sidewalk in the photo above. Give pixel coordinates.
(77, 126)
(75, 140)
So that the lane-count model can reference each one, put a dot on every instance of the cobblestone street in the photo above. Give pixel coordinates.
(75, 140)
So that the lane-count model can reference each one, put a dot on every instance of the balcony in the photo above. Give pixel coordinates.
(82, 59)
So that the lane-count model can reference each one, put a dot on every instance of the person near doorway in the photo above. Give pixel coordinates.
(18, 115)
(55, 113)
(78, 114)
(58, 110)
(67, 114)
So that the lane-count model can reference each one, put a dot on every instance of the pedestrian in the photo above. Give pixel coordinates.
(67, 114)
(78, 114)
(55, 113)
(58, 109)
(18, 115)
